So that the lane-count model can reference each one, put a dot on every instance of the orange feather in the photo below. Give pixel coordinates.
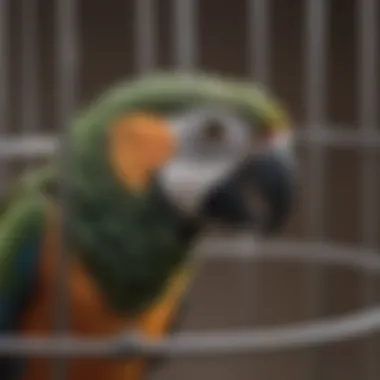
(92, 318)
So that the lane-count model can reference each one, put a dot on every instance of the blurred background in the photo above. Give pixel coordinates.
(320, 58)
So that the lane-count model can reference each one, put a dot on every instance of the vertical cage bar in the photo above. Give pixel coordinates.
(316, 19)
(66, 56)
(368, 103)
(4, 83)
(145, 35)
(184, 32)
(258, 20)
(316, 55)
(259, 39)
(29, 61)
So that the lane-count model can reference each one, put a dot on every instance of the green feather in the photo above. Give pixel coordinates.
(175, 92)
(23, 220)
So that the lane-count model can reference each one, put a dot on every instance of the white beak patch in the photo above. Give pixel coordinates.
(186, 182)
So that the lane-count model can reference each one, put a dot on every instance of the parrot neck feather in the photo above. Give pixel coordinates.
(130, 243)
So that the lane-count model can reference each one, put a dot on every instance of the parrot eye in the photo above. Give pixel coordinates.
(213, 133)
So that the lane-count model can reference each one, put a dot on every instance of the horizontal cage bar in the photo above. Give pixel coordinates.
(233, 341)
(46, 145)
(203, 343)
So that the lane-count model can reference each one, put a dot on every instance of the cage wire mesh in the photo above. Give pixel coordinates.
(315, 134)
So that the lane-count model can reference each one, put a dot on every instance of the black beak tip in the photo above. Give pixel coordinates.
(276, 185)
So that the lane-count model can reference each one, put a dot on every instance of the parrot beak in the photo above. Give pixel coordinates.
(260, 192)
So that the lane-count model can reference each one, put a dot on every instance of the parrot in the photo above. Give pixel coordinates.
(153, 162)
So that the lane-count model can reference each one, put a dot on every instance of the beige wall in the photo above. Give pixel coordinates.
(106, 48)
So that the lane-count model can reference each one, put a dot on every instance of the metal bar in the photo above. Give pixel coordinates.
(66, 42)
(316, 50)
(258, 20)
(368, 107)
(259, 40)
(35, 145)
(236, 248)
(4, 80)
(30, 120)
(316, 24)
(29, 146)
(185, 37)
(146, 36)
(368, 103)
(243, 341)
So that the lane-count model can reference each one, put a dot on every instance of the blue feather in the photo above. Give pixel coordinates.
(12, 306)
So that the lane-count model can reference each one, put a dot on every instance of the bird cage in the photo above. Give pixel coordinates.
(302, 306)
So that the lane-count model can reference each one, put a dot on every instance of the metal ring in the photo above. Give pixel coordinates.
(239, 341)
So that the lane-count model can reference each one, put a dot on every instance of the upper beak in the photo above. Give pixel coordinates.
(261, 192)
(272, 181)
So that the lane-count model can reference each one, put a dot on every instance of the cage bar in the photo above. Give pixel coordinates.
(368, 104)
(38, 145)
(259, 12)
(66, 42)
(145, 35)
(205, 343)
(185, 41)
(368, 108)
(316, 54)
(29, 67)
(258, 21)
(4, 80)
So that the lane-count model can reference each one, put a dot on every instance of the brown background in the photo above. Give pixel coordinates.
(106, 49)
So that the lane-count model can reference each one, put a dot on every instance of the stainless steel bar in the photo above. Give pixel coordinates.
(368, 108)
(259, 26)
(258, 20)
(368, 103)
(316, 51)
(66, 43)
(29, 146)
(235, 248)
(145, 35)
(4, 87)
(41, 145)
(30, 120)
(237, 342)
(316, 54)
(185, 34)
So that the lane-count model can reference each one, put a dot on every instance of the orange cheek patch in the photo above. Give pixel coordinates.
(139, 145)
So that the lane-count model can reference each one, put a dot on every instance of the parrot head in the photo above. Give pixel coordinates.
(219, 150)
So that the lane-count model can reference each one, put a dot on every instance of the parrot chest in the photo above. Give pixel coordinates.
(91, 317)
(89, 312)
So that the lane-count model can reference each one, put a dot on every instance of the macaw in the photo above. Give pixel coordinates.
(152, 162)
